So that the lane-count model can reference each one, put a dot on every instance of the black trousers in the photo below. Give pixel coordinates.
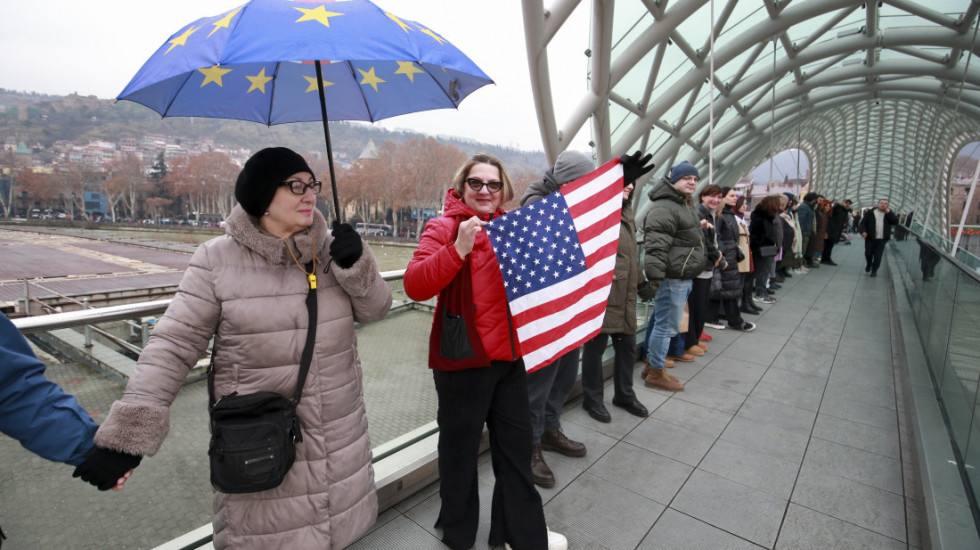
(547, 391)
(697, 306)
(874, 251)
(732, 314)
(624, 348)
(496, 395)
(747, 281)
(828, 247)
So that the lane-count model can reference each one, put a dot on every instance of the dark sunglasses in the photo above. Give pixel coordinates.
(300, 187)
(477, 185)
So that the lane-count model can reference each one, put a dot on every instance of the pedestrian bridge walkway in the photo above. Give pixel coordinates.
(792, 436)
(807, 433)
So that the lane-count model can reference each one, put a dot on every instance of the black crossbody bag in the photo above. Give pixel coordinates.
(254, 436)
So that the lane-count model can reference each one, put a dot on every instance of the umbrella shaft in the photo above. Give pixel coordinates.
(326, 136)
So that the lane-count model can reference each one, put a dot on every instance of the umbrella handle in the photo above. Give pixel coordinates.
(326, 135)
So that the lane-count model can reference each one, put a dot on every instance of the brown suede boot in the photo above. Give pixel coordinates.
(702, 345)
(540, 472)
(658, 379)
(695, 351)
(686, 358)
(647, 368)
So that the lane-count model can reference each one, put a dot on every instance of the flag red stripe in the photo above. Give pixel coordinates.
(557, 332)
(560, 303)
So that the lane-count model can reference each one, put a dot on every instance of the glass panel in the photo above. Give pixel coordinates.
(697, 27)
(960, 384)
(938, 296)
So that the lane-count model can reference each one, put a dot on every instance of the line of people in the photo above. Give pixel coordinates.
(702, 263)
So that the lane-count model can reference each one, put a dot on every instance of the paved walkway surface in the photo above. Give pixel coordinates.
(791, 436)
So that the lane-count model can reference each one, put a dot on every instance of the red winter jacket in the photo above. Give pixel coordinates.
(436, 263)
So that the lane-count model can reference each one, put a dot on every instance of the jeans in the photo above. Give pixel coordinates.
(668, 310)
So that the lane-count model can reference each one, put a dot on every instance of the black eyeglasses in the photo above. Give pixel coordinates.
(300, 187)
(477, 185)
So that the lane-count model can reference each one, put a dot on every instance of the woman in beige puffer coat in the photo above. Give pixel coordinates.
(248, 290)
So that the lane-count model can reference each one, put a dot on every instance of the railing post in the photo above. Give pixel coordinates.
(88, 328)
(27, 298)
(144, 331)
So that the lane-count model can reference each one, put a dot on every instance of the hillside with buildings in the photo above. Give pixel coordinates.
(79, 156)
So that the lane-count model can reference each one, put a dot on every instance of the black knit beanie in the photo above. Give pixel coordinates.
(263, 172)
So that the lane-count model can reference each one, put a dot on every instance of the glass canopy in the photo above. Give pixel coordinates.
(881, 96)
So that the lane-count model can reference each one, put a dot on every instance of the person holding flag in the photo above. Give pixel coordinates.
(476, 364)
(549, 386)
(619, 321)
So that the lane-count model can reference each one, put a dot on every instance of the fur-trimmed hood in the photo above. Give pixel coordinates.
(245, 229)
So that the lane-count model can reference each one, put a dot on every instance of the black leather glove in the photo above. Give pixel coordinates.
(646, 291)
(633, 167)
(103, 467)
(346, 247)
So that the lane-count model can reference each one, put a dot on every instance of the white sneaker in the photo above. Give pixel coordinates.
(556, 541)
(715, 326)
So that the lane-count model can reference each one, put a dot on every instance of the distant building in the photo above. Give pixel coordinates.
(95, 203)
(370, 151)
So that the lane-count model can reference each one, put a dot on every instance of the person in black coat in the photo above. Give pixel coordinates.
(835, 227)
(730, 288)
(697, 300)
(876, 228)
(764, 241)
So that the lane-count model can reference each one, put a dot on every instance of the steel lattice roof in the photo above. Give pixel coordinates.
(880, 96)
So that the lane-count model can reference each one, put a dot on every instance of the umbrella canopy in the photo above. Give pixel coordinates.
(260, 61)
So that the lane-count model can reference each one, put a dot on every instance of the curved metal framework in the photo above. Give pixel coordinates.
(879, 95)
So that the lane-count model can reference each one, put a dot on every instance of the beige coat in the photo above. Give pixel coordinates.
(745, 266)
(245, 289)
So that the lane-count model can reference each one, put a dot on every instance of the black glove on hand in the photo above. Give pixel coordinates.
(103, 467)
(646, 291)
(633, 167)
(346, 247)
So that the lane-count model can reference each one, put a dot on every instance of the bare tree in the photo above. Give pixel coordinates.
(207, 180)
(8, 166)
(125, 180)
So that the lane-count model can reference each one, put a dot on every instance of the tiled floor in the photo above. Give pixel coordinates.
(788, 437)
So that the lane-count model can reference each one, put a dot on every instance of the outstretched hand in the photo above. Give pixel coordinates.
(635, 167)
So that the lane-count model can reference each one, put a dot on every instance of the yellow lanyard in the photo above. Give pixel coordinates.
(310, 275)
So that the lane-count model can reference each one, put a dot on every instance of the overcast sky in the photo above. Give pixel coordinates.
(95, 47)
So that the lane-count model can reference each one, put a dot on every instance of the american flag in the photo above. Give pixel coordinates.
(557, 257)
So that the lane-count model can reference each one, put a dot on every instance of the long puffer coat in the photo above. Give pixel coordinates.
(727, 230)
(245, 289)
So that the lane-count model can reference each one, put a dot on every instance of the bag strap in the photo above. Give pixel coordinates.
(305, 359)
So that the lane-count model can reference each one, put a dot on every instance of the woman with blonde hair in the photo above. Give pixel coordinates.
(476, 363)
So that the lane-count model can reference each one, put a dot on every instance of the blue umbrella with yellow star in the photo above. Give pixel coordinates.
(279, 61)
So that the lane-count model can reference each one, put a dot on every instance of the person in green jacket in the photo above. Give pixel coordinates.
(675, 254)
